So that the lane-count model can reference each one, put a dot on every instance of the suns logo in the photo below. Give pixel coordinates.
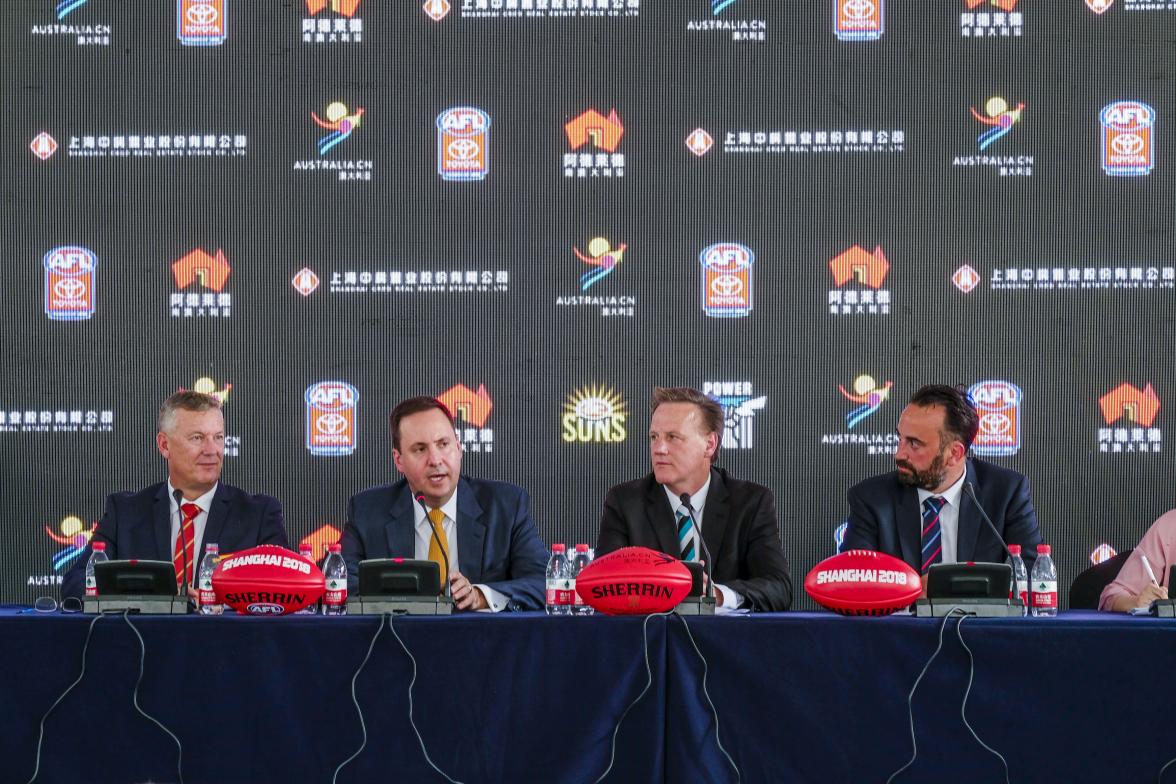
(594, 414)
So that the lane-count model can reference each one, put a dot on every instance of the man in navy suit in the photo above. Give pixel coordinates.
(172, 520)
(478, 531)
(921, 513)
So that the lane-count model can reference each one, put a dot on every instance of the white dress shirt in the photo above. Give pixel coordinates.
(949, 517)
(424, 537)
(198, 525)
(731, 599)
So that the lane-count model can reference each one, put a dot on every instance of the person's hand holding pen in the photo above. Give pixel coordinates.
(1153, 590)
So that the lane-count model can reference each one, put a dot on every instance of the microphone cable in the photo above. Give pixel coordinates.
(359, 710)
(134, 697)
(709, 701)
(1160, 775)
(963, 705)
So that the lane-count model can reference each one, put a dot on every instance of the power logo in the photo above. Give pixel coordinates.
(858, 20)
(1127, 144)
(202, 22)
(463, 152)
(69, 283)
(727, 285)
(998, 404)
(330, 418)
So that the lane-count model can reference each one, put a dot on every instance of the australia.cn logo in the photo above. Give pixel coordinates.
(868, 395)
(463, 144)
(330, 418)
(344, 7)
(340, 121)
(857, 265)
(727, 285)
(73, 536)
(198, 267)
(591, 127)
(205, 385)
(999, 117)
(69, 283)
(43, 146)
(998, 404)
(858, 20)
(594, 414)
(1128, 149)
(1138, 406)
(202, 22)
(602, 257)
(67, 7)
(466, 405)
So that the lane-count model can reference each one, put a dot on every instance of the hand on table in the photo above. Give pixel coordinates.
(465, 595)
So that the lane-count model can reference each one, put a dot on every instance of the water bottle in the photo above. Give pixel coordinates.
(335, 572)
(1022, 578)
(97, 555)
(206, 597)
(581, 559)
(559, 600)
(1045, 584)
(307, 552)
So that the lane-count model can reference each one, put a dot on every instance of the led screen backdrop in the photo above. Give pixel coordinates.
(540, 209)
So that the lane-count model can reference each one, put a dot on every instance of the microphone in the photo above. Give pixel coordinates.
(420, 498)
(710, 578)
(971, 491)
(179, 496)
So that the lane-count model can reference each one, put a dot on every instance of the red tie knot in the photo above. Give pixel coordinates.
(191, 511)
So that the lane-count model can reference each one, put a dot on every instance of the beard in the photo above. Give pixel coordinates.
(929, 479)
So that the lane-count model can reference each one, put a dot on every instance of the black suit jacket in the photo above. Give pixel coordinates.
(138, 525)
(497, 543)
(738, 526)
(885, 515)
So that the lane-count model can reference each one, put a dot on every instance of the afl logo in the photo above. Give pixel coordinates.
(201, 22)
(69, 283)
(1128, 147)
(727, 285)
(265, 608)
(463, 144)
(202, 14)
(330, 418)
(998, 404)
(858, 9)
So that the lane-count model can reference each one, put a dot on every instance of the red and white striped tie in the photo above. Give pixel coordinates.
(186, 540)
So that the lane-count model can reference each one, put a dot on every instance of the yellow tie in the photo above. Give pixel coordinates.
(439, 546)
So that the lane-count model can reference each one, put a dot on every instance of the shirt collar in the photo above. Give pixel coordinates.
(951, 495)
(449, 509)
(697, 501)
(204, 501)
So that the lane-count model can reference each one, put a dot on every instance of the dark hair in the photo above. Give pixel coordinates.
(960, 419)
(186, 400)
(410, 406)
(712, 412)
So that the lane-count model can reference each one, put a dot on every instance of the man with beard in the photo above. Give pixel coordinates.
(921, 513)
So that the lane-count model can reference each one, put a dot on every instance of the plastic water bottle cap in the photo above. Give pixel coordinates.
(581, 548)
(335, 548)
(100, 546)
(1043, 549)
(559, 548)
(1015, 549)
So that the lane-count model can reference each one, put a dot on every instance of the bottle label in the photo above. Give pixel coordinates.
(1023, 591)
(1045, 593)
(91, 585)
(561, 590)
(336, 592)
(207, 596)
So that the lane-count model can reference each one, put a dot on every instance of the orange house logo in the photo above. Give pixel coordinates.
(345, 7)
(320, 539)
(467, 405)
(198, 267)
(856, 264)
(1003, 5)
(591, 126)
(1127, 400)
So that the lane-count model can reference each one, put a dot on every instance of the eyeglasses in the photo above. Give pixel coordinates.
(47, 604)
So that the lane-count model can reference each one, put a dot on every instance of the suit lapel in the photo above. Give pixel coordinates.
(969, 521)
(218, 516)
(909, 524)
(400, 530)
(161, 523)
(471, 532)
(714, 517)
(661, 518)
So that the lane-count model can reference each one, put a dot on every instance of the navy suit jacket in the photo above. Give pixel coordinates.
(885, 515)
(138, 525)
(497, 542)
(738, 526)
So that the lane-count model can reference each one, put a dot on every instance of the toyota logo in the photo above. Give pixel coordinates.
(69, 288)
(727, 285)
(1127, 144)
(331, 424)
(995, 424)
(202, 14)
(463, 149)
(858, 9)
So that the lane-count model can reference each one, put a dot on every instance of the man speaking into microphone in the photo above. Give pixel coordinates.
(172, 520)
(479, 532)
(687, 508)
(923, 511)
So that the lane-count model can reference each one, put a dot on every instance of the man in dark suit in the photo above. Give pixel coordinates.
(686, 494)
(172, 520)
(921, 513)
(479, 532)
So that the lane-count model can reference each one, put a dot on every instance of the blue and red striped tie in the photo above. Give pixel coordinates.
(932, 542)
